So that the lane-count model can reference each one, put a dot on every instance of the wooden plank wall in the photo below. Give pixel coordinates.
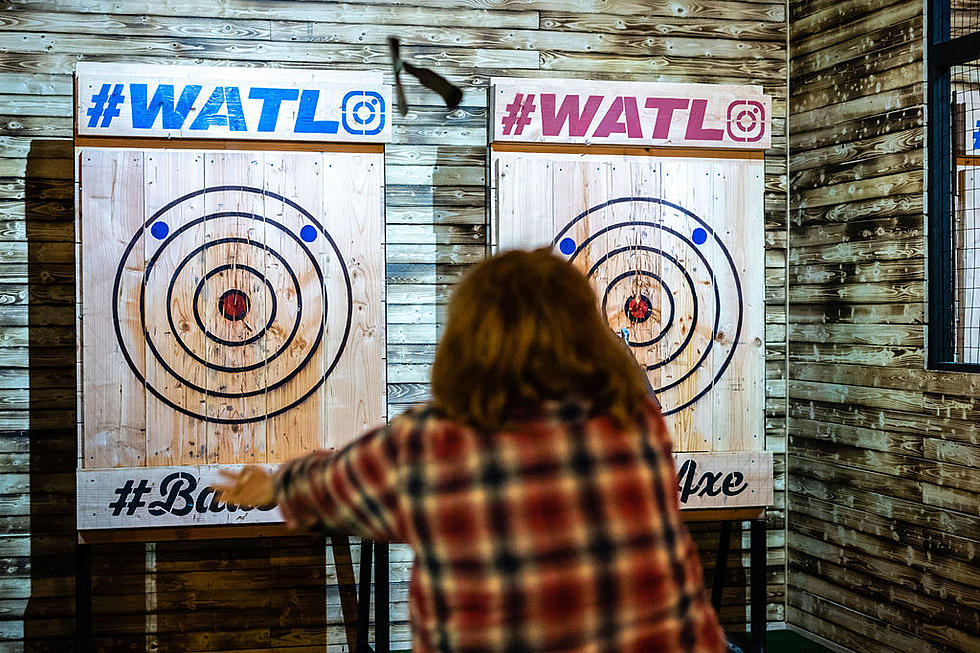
(884, 488)
(240, 594)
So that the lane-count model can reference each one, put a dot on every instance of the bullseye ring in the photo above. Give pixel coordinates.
(210, 364)
(684, 255)
(272, 310)
(691, 287)
(665, 321)
(241, 294)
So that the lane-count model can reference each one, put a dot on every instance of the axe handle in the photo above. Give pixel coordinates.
(400, 93)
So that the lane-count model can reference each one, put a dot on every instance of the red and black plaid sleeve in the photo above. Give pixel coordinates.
(562, 533)
(357, 489)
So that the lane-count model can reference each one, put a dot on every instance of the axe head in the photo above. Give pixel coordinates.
(450, 93)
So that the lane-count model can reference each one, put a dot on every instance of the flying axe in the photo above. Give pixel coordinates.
(432, 81)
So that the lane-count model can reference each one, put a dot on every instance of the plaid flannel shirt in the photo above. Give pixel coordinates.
(562, 533)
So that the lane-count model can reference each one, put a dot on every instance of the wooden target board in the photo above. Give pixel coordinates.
(231, 312)
(673, 243)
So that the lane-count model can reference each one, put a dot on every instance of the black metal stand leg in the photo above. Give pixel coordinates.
(347, 586)
(364, 598)
(83, 598)
(721, 566)
(758, 585)
(381, 616)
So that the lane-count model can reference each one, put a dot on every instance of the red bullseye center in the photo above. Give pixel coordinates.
(638, 308)
(233, 305)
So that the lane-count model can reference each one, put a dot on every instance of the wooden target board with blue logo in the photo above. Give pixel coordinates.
(231, 307)
(673, 242)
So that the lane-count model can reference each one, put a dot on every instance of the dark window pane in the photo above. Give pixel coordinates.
(964, 17)
(965, 226)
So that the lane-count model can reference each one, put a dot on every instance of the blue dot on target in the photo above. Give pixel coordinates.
(566, 246)
(699, 236)
(160, 229)
(308, 233)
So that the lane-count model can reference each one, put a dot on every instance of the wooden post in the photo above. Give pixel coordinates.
(340, 545)
(83, 597)
(721, 566)
(364, 598)
(381, 607)
(758, 585)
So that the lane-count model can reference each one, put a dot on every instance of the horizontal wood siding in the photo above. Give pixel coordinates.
(247, 595)
(884, 496)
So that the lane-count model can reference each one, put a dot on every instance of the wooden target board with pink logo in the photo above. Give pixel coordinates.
(231, 299)
(655, 192)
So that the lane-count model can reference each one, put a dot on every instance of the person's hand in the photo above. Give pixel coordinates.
(251, 486)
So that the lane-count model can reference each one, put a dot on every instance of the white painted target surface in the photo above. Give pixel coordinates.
(674, 249)
(232, 304)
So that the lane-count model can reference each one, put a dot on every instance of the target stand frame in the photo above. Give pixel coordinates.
(655, 192)
(230, 267)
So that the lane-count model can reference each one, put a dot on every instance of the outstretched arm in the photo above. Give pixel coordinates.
(355, 490)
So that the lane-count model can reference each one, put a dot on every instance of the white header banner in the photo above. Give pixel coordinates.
(231, 103)
(630, 113)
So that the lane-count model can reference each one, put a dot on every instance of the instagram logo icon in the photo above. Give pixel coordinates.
(363, 113)
(746, 121)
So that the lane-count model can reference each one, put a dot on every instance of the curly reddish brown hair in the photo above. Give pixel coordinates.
(524, 328)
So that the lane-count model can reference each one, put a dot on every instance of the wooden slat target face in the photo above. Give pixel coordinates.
(248, 319)
(674, 249)
(230, 302)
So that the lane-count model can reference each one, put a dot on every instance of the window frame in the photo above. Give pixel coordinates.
(943, 53)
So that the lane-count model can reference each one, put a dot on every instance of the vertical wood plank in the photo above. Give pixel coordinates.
(172, 437)
(529, 216)
(354, 388)
(230, 236)
(686, 186)
(647, 182)
(740, 393)
(297, 177)
(111, 213)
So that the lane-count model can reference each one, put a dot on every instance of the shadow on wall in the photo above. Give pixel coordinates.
(50, 622)
(436, 231)
(168, 596)
(49, 230)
